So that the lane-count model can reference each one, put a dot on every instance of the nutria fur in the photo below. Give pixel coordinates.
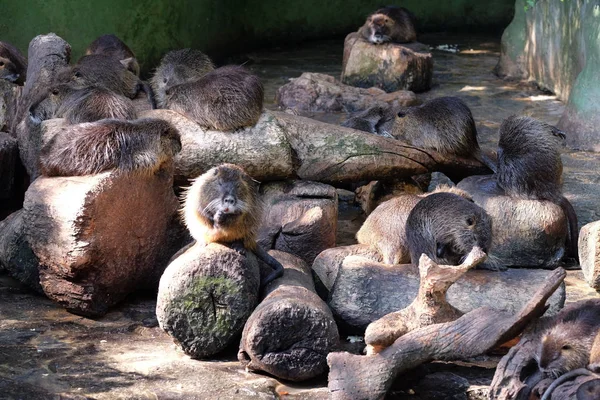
(447, 227)
(177, 67)
(226, 99)
(142, 145)
(589, 390)
(390, 24)
(112, 46)
(385, 228)
(223, 206)
(377, 120)
(82, 105)
(13, 66)
(530, 167)
(445, 125)
(106, 72)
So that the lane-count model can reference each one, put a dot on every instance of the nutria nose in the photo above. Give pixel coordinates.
(229, 200)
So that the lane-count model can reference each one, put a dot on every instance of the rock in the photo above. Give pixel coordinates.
(589, 253)
(9, 96)
(205, 297)
(389, 66)
(313, 92)
(262, 150)
(292, 330)
(300, 218)
(345, 196)
(365, 290)
(99, 237)
(16, 255)
(525, 233)
(442, 386)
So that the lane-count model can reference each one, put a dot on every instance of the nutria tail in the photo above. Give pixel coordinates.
(143, 86)
(486, 160)
(573, 238)
(90, 148)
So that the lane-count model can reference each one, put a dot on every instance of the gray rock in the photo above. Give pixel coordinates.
(589, 253)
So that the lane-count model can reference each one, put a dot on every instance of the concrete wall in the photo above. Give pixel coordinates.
(152, 27)
(557, 45)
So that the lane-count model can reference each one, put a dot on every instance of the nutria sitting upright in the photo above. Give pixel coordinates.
(390, 24)
(112, 46)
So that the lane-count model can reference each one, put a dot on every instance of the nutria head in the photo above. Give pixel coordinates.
(379, 28)
(563, 348)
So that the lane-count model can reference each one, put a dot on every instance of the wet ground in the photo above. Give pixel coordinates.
(45, 351)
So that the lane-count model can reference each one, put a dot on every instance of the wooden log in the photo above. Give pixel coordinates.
(429, 307)
(205, 296)
(370, 377)
(292, 330)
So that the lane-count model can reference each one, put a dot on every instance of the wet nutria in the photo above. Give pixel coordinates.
(223, 206)
(385, 228)
(377, 119)
(112, 46)
(445, 125)
(530, 167)
(177, 67)
(13, 66)
(390, 24)
(82, 105)
(90, 148)
(447, 227)
(103, 71)
(226, 99)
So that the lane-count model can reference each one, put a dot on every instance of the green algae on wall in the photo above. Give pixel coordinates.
(557, 45)
(152, 27)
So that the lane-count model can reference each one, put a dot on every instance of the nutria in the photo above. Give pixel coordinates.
(177, 67)
(447, 227)
(112, 46)
(530, 167)
(445, 125)
(377, 119)
(385, 228)
(223, 206)
(106, 72)
(82, 105)
(13, 66)
(142, 145)
(589, 390)
(226, 99)
(390, 24)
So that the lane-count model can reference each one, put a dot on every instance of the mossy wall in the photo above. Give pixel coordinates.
(151, 27)
(557, 45)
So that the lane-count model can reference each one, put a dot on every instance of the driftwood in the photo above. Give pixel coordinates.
(429, 307)
(283, 146)
(292, 330)
(370, 377)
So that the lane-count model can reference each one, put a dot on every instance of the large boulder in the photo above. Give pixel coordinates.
(100, 237)
(389, 66)
(525, 233)
(206, 295)
(300, 218)
(313, 92)
(16, 255)
(589, 253)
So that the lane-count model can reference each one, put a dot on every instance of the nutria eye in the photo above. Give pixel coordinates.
(55, 92)
(1, 63)
(470, 221)
(165, 80)
(77, 74)
(566, 347)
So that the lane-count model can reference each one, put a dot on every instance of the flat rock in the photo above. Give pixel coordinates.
(300, 218)
(16, 255)
(313, 92)
(589, 253)
(389, 66)
(99, 237)
(365, 290)
(525, 233)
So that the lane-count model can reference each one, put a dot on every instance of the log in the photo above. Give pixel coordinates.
(283, 146)
(429, 307)
(292, 330)
(205, 296)
(370, 377)
(365, 290)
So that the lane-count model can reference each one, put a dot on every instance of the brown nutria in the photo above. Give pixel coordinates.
(377, 119)
(103, 71)
(445, 125)
(223, 206)
(90, 148)
(530, 167)
(112, 46)
(82, 105)
(447, 227)
(390, 24)
(385, 228)
(177, 67)
(13, 66)
(371, 195)
(226, 99)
